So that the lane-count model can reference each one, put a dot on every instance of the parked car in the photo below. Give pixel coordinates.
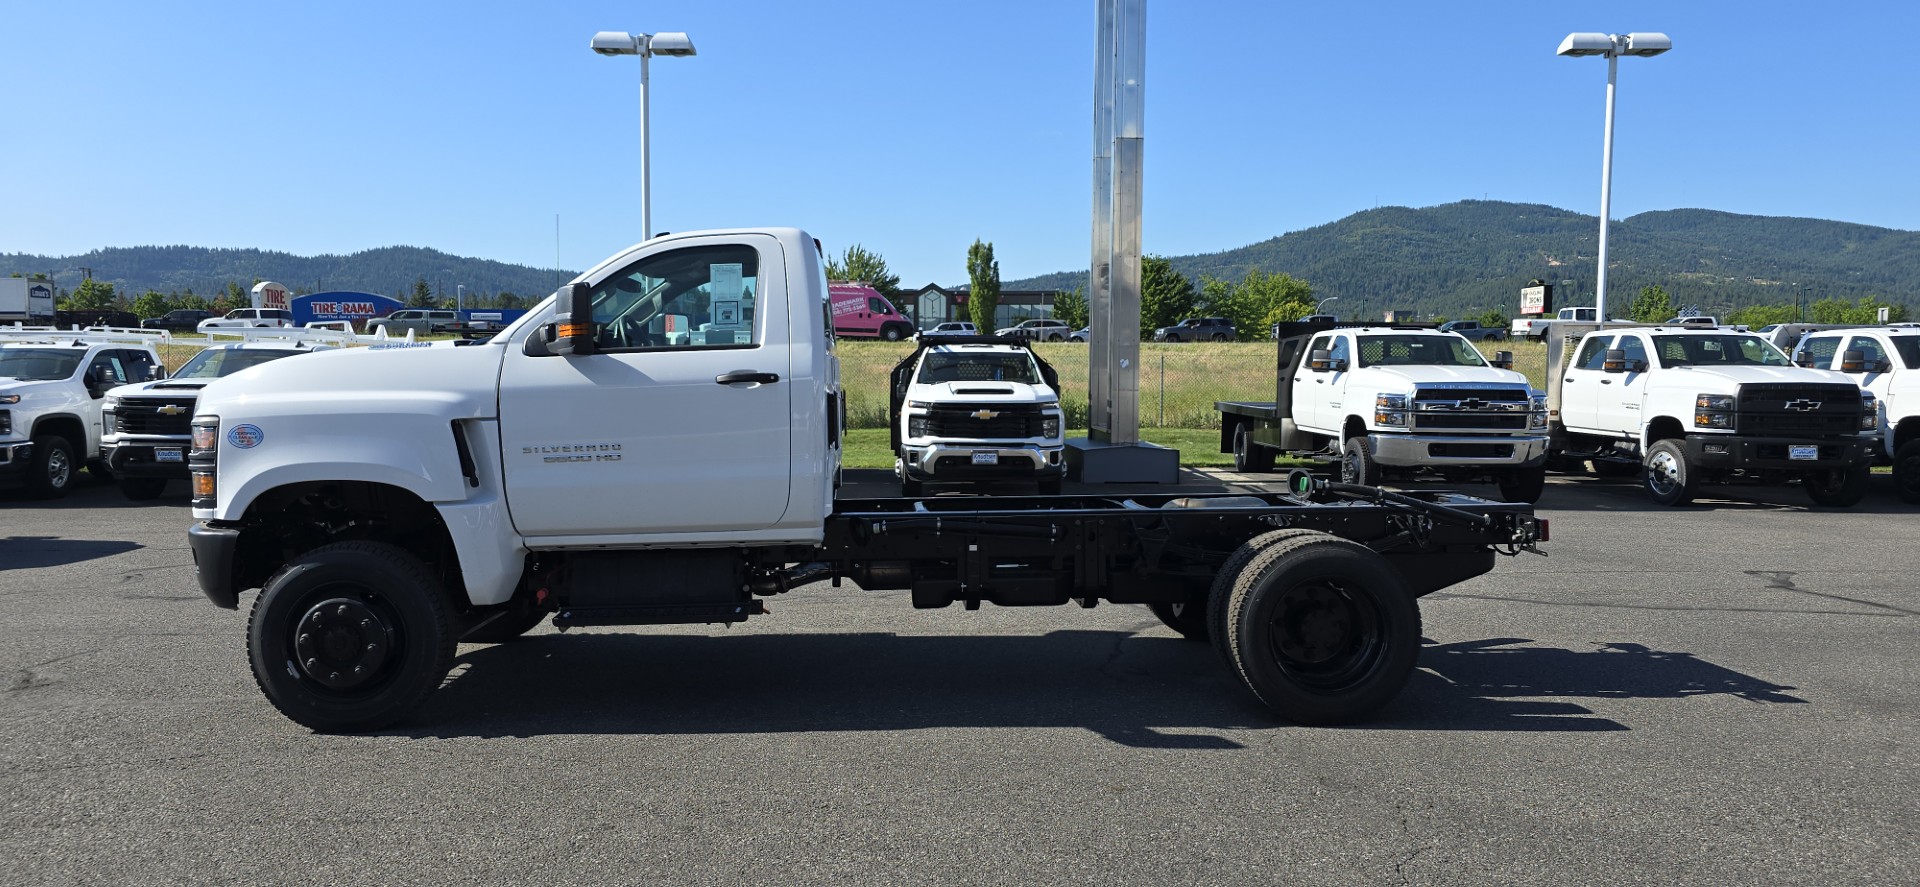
(247, 317)
(420, 320)
(1473, 330)
(1038, 330)
(1697, 319)
(950, 328)
(1080, 335)
(178, 320)
(1197, 329)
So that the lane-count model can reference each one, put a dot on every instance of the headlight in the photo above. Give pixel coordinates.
(1050, 427)
(206, 436)
(109, 404)
(1713, 402)
(1713, 420)
(1390, 410)
(1713, 411)
(6, 421)
(919, 405)
(1537, 412)
(9, 398)
(916, 426)
(1869, 412)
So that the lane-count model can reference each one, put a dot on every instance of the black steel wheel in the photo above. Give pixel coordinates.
(50, 472)
(1906, 471)
(140, 489)
(350, 637)
(1322, 629)
(1356, 463)
(1189, 618)
(1250, 457)
(1668, 478)
(1219, 594)
(1523, 484)
(1843, 488)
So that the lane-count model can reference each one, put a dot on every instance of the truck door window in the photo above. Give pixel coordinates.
(1909, 348)
(1823, 348)
(1594, 353)
(106, 369)
(698, 297)
(1870, 350)
(1341, 351)
(1634, 348)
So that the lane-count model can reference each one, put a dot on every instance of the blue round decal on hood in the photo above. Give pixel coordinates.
(245, 437)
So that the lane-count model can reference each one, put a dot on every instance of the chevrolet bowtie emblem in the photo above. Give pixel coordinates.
(1803, 406)
(172, 409)
(985, 414)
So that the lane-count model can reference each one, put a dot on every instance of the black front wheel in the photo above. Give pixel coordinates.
(1322, 629)
(1523, 484)
(1250, 457)
(50, 472)
(1667, 476)
(1843, 488)
(1357, 465)
(350, 637)
(1906, 471)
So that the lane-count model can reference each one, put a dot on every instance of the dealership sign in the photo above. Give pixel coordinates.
(357, 307)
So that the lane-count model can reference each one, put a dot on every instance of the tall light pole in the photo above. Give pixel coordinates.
(646, 46)
(1613, 46)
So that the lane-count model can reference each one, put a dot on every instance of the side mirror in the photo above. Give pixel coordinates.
(156, 373)
(1804, 358)
(92, 381)
(1503, 359)
(1853, 362)
(1882, 365)
(1320, 360)
(1636, 366)
(571, 333)
(1616, 361)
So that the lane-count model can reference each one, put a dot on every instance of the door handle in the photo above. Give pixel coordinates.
(746, 376)
(1606, 381)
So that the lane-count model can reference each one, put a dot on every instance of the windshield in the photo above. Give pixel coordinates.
(1728, 350)
(1446, 351)
(40, 364)
(979, 366)
(227, 361)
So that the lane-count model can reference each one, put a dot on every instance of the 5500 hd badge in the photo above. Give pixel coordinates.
(606, 452)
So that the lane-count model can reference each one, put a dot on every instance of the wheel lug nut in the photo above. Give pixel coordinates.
(364, 623)
(312, 664)
(340, 610)
(334, 676)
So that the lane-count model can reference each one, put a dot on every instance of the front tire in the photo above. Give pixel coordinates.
(1322, 630)
(1250, 457)
(1838, 489)
(1523, 484)
(350, 637)
(1357, 465)
(141, 489)
(1906, 471)
(50, 473)
(1667, 476)
(891, 334)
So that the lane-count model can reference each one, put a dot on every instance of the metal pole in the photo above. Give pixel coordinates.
(646, 171)
(1099, 279)
(1606, 188)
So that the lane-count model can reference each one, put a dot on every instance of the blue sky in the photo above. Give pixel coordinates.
(914, 128)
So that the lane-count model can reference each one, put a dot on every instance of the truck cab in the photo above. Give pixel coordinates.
(1885, 362)
(1684, 406)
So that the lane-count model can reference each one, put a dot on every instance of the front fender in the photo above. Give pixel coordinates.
(414, 451)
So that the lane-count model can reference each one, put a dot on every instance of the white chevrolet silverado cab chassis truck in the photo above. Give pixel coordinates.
(658, 443)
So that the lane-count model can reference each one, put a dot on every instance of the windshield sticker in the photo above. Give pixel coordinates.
(245, 437)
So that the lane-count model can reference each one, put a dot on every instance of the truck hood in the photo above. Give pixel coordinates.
(457, 383)
(982, 392)
(161, 387)
(1723, 380)
(1409, 377)
(27, 390)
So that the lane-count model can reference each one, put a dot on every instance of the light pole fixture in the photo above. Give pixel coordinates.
(646, 46)
(1613, 46)
(1322, 307)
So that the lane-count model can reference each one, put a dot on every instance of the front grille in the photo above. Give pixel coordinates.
(1491, 395)
(1475, 421)
(984, 421)
(1786, 408)
(144, 416)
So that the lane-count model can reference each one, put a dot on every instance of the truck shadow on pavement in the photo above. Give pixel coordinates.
(36, 552)
(1137, 690)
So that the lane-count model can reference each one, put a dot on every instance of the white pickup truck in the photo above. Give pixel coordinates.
(1394, 401)
(53, 386)
(390, 502)
(972, 410)
(1885, 361)
(1682, 406)
(1537, 327)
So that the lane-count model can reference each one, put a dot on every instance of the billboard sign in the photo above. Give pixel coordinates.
(1536, 299)
(335, 306)
(267, 294)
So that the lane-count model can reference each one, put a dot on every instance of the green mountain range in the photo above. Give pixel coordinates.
(1464, 258)
(389, 271)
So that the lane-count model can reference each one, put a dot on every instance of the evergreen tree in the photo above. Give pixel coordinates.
(422, 296)
(1166, 295)
(858, 264)
(1071, 306)
(983, 277)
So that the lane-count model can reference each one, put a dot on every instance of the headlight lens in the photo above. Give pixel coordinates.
(9, 398)
(919, 405)
(916, 426)
(1050, 427)
(1713, 402)
(1713, 411)
(1390, 410)
(1537, 412)
(206, 435)
(110, 404)
(1869, 412)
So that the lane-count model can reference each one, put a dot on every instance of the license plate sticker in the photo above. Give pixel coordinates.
(166, 455)
(986, 457)
(1804, 452)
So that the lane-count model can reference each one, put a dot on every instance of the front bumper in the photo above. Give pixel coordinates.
(15, 459)
(1442, 450)
(1727, 451)
(214, 549)
(136, 458)
(954, 461)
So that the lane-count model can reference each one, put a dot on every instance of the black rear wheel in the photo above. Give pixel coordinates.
(1523, 484)
(1250, 457)
(1221, 591)
(350, 637)
(1322, 629)
(1906, 471)
(1843, 488)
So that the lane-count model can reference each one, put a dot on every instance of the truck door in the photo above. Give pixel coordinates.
(664, 430)
(1333, 408)
(1875, 354)
(1309, 387)
(1621, 395)
(1582, 383)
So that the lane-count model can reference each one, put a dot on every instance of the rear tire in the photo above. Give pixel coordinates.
(350, 637)
(50, 473)
(1221, 591)
(1838, 489)
(1906, 471)
(141, 489)
(1322, 630)
(1667, 476)
(1523, 484)
(1250, 457)
(1357, 465)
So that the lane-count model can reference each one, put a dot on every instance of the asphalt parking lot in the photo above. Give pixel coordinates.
(1721, 694)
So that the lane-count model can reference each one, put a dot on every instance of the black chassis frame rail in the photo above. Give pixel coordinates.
(1148, 548)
